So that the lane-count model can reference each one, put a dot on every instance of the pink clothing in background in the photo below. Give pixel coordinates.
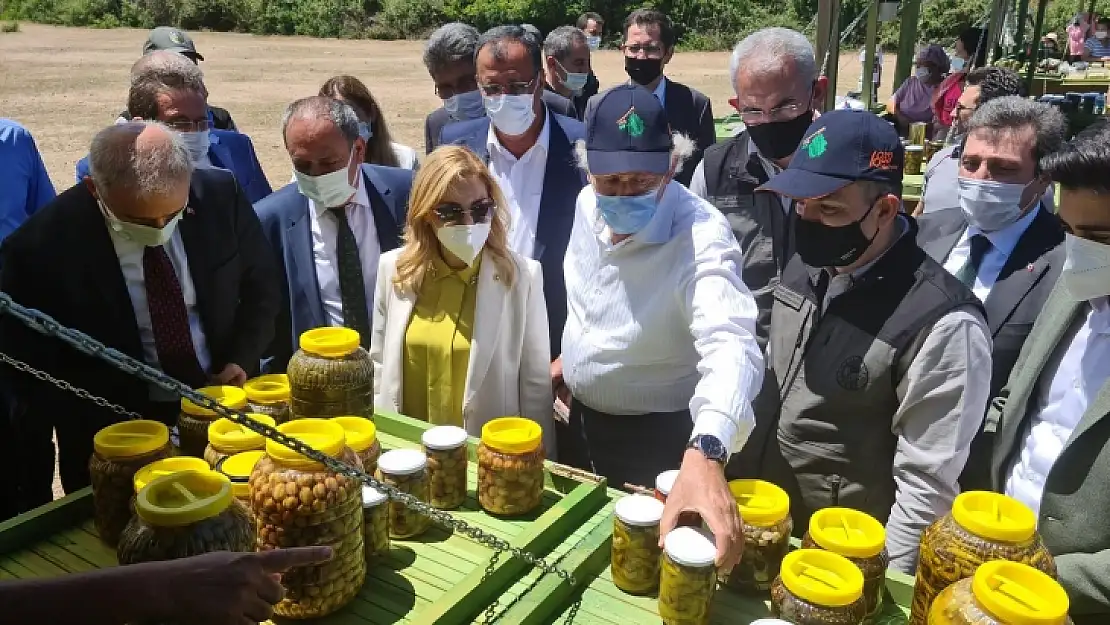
(914, 99)
(1077, 36)
(947, 95)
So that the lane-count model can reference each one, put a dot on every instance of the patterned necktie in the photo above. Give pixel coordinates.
(979, 246)
(352, 289)
(169, 319)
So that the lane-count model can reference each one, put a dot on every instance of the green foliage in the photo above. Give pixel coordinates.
(9, 27)
(408, 19)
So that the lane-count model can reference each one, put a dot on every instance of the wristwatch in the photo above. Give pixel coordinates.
(710, 446)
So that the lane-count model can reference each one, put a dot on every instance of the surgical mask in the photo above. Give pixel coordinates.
(329, 190)
(989, 205)
(147, 236)
(593, 42)
(819, 245)
(922, 73)
(365, 130)
(957, 64)
(574, 81)
(464, 106)
(643, 71)
(777, 140)
(1086, 272)
(197, 143)
(511, 114)
(627, 214)
(464, 240)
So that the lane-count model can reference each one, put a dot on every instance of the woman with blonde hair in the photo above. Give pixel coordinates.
(380, 148)
(460, 326)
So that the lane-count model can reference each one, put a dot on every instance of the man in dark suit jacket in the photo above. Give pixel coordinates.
(339, 208)
(567, 69)
(165, 264)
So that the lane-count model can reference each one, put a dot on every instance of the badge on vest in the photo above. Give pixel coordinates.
(852, 375)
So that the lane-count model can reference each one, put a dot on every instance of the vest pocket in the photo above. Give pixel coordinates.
(823, 475)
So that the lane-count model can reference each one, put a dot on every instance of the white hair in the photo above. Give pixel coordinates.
(768, 51)
(683, 148)
(151, 169)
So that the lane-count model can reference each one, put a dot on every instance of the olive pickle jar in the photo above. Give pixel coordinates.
(636, 555)
(510, 466)
(119, 452)
(981, 526)
(331, 375)
(362, 438)
(1002, 593)
(269, 395)
(238, 469)
(227, 438)
(375, 522)
(664, 482)
(299, 502)
(182, 515)
(193, 422)
(407, 471)
(687, 576)
(765, 514)
(817, 587)
(445, 447)
(860, 538)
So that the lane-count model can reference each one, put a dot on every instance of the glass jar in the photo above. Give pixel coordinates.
(445, 447)
(635, 551)
(331, 375)
(227, 438)
(510, 466)
(119, 452)
(818, 587)
(664, 482)
(981, 526)
(299, 502)
(765, 514)
(269, 395)
(362, 438)
(185, 514)
(407, 471)
(688, 576)
(238, 469)
(1002, 593)
(193, 421)
(860, 538)
(375, 522)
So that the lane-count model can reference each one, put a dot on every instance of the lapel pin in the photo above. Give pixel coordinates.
(189, 211)
(1029, 267)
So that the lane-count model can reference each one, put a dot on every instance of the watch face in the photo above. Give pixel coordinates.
(711, 447)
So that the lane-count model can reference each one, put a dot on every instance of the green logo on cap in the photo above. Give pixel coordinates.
(631, 123)
(177, 37)
(815, 144)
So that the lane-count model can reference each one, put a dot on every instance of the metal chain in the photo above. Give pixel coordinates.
(491, 610)
(66, 386)
(44, 324)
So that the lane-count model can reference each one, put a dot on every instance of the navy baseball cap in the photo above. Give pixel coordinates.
(173, 40)
(841, 147)
(628, 131)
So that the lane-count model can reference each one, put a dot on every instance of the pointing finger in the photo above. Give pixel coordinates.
(280, 560)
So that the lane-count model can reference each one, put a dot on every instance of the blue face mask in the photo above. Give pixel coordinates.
(627, 214)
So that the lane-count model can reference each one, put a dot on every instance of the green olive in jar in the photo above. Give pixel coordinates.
(407, 471)
(362, 438)
(227, 438)
(193, 421)
(861, 539)
(269, 395)
(635, 551)
(817, 587)
(375, 522)
(1002, 593)
(688, 576)
(445, 447)
(510, 466)
(119, 452)
(331, 375)
(765, 514)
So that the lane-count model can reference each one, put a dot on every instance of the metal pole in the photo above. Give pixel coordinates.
(907, 40)
(828, 45)
(1038, 26)
(994, 26)
(869, 40)
(1019, 37)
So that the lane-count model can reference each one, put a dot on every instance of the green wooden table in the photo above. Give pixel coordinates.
(911, 187)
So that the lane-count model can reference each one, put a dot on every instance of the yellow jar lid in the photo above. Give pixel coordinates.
(761, 503)
(131, 438)
(850, 533)
(167, 466)
(512, 435)
(228, 436)
(994, 516)
(268, 389)
(822, 577)
(183, 498)
(230, 396)
(238, 469)
(359, 431)
(330, 342)
(1018, 594)
(320, 434)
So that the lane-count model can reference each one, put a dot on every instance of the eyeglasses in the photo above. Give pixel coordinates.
(513, 88)
(960, 108)
(777, 114)
(651, 50)
(452, 214)
(190, 126)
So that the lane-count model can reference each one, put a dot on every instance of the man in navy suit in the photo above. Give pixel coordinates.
(328, 229)
(169, 88)
(529, 150)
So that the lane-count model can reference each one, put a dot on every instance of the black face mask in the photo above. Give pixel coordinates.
(777, 140)
(644, 71)
(819, 245)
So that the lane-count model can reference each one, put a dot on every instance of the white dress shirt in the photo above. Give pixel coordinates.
(1064, 393)
(521, 182)
(661, 322)
(130, 256)
(1002, 245)
(325, 254)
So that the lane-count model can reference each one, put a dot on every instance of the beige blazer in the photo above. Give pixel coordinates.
(510, 361)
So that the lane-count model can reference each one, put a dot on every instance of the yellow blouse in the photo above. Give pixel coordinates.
(437, 345)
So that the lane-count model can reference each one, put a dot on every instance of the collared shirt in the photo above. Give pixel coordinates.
(1002, 245)
(1065, 392)
(26, 184)
(661, 91)
(661, 322)
(325, 254)
(130, 256)
(1097, 48)
(521, 181)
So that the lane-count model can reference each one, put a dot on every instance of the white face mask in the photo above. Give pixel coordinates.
(329, 190)
(147, 236)
(922, 73)
(990, 205)
(365, 131)
(594, 42)
(464, 240)
(511, 114)
(574, 81)
(464, 106)
(197, 144)
(1086, 272)
(957, 64)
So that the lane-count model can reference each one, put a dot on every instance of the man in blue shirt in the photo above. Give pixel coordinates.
(25, 181)
(1097, 48)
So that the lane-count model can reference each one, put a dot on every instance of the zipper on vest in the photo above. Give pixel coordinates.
(834, 489)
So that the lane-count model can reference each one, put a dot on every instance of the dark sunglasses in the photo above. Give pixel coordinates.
(452, 213)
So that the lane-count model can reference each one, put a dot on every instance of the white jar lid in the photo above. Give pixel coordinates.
(664, 482)
(444, 437)
(639, 510)
(402, 462)
(691, 546)
(372, 497)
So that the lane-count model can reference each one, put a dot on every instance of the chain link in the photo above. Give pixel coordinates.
(66, 386)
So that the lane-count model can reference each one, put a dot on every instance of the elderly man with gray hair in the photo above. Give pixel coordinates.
(567, 68)
(150, 257)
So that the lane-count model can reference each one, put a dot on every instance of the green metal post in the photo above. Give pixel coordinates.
(907, 40)
(1019, 37)
(869, 40)
(1038, 26)
(828, 45)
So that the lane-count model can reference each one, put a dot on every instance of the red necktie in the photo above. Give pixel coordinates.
(169, 319)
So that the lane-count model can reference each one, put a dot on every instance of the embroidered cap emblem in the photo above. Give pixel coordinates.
(852, 375)
(815, 144)
(631, 123)
(177, 37)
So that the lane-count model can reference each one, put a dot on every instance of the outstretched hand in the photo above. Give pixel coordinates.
(702, 491)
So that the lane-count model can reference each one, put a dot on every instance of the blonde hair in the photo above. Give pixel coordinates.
(444, 168)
